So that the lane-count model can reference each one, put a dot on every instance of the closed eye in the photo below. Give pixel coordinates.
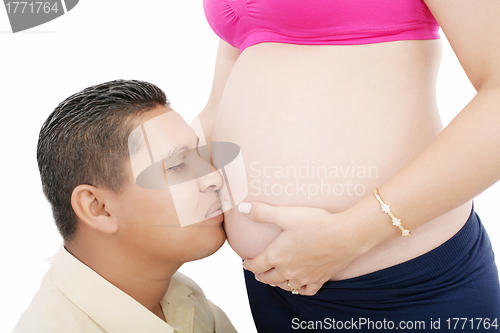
(177, 168)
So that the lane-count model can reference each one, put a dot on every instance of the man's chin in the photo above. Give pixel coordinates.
(209, 250)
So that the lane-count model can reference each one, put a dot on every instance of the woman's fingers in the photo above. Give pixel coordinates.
(305, 290)
(310, 289)
(259, 264)
(314, 246)
(275, 264)
(273, 276)
(296, 251)
(264, 213)
(307, 281)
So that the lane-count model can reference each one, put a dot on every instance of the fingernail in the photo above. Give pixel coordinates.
(272, 285)
(245, 207)
(256, 278)
(244, 267)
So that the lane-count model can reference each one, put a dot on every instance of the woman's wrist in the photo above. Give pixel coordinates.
(368, 224)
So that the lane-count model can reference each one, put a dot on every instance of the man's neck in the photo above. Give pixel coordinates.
(144, 279)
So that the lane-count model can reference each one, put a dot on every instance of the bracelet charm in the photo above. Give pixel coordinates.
(387, 209)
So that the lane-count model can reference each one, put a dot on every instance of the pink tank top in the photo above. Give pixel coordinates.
(243, 23)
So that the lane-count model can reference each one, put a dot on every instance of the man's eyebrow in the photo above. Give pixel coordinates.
(176, 150)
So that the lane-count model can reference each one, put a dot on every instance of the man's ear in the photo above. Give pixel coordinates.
(88, 202)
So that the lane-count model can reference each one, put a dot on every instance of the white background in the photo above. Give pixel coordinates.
(167, 43)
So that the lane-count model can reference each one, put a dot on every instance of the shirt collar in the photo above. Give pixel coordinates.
(178, 307)
(108, 306)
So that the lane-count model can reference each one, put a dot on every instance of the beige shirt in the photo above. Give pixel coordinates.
(73, 298)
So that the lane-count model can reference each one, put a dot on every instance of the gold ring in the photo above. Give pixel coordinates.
(295, 291)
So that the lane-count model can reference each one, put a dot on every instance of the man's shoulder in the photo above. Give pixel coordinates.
(51, 311)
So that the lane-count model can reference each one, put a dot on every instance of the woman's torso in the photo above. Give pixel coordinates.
(321, 126)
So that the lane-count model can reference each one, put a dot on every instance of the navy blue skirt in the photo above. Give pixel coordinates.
(454, 287)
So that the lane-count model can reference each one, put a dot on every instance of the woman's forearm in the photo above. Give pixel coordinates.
(461, 162)
(207, 119)
(226, 58)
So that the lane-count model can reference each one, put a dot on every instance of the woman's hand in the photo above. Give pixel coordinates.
(313, 246)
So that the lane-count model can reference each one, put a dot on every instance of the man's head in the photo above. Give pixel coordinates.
(83, 158)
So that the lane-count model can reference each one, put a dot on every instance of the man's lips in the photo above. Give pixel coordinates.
(214, 209)
(216, 213)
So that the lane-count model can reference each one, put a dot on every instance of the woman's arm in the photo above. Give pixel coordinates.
(461, 162)
(226, 58)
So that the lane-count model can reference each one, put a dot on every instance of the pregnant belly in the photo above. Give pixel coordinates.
(315, 134)
(312, 156)
(305, 181)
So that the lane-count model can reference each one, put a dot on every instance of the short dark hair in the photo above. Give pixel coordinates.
(85, 141)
